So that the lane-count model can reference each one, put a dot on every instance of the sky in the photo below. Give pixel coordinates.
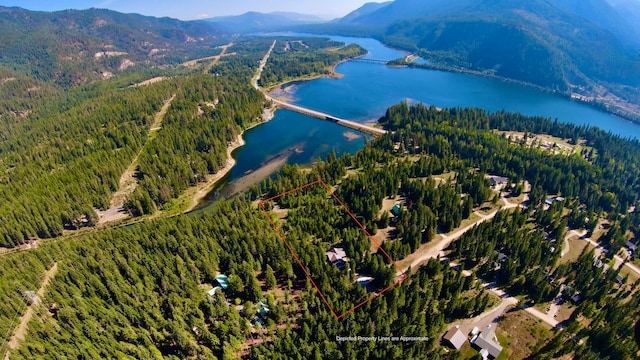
(197, 9)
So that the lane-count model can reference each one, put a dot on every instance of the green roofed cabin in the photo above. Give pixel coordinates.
(396, 210)
(263, 310)
(222, 280)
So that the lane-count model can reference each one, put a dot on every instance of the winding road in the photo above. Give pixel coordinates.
(433, 250)
(486, 318)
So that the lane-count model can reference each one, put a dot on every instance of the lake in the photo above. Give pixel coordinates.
(365, 92)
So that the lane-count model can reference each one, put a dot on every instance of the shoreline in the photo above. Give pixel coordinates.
(333, 74)
(202, 190)
(569, 97)
(617, 111)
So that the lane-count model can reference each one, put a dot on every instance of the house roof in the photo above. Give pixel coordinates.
(336, 254)
(632, 246)
(484, 353)
(222, 280)
(455, 337)
(263, 310)
(212, 292)
(395, 210)
(498, 180)
(487, 340)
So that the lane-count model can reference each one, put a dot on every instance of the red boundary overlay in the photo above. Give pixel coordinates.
(275, 226)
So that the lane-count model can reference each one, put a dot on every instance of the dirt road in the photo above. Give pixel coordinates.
(21, 329)
(433, 250)
(128, 182)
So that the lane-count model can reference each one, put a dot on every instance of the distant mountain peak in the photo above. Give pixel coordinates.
(365, 9)
(253, 21)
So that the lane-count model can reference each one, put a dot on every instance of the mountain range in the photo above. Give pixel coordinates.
(252, 21)
(75, 47)
(589, 48)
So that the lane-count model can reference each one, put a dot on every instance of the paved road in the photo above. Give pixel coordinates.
(486, 318)
(490, 316)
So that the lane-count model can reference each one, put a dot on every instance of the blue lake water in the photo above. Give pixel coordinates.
(365, 92)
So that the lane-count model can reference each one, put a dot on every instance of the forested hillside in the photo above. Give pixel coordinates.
(588, 49)
(445, 235)
(72, 47)
(65, 156)
(55, 173)
(294, 59)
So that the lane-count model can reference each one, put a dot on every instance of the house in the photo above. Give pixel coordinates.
(395, 210)
(338, 257)
(222, 280)
(498, 180)
(212, 293)
(257, 320)
(576, 298)
(455, 337)
(631, 246)
(487, 340)
(502, 258)
(367, 282)
(263, 310)
(559, 199)
(548, 201)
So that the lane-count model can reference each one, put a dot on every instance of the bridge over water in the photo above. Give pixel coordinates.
(371, 61)
(320, 115)
(367, 129)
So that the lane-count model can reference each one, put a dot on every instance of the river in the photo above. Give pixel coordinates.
(364, 93)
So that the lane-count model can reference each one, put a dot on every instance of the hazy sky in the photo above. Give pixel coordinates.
(194, 9)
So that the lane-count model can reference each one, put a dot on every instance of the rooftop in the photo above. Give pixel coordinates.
(336, 254)
(455, 337)
(487, 340)
(222, 280)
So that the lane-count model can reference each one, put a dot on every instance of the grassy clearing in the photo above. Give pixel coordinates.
(576, 246)
(519, 333)
(553, 144)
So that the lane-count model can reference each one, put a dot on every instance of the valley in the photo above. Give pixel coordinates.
(170, 209)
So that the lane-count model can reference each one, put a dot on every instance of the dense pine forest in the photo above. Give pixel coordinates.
(114, 291)
(149, 288)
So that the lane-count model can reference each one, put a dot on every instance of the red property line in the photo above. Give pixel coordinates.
(275, 226)
(298, 260)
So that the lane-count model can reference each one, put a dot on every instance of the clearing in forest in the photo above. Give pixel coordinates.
(333, 257)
